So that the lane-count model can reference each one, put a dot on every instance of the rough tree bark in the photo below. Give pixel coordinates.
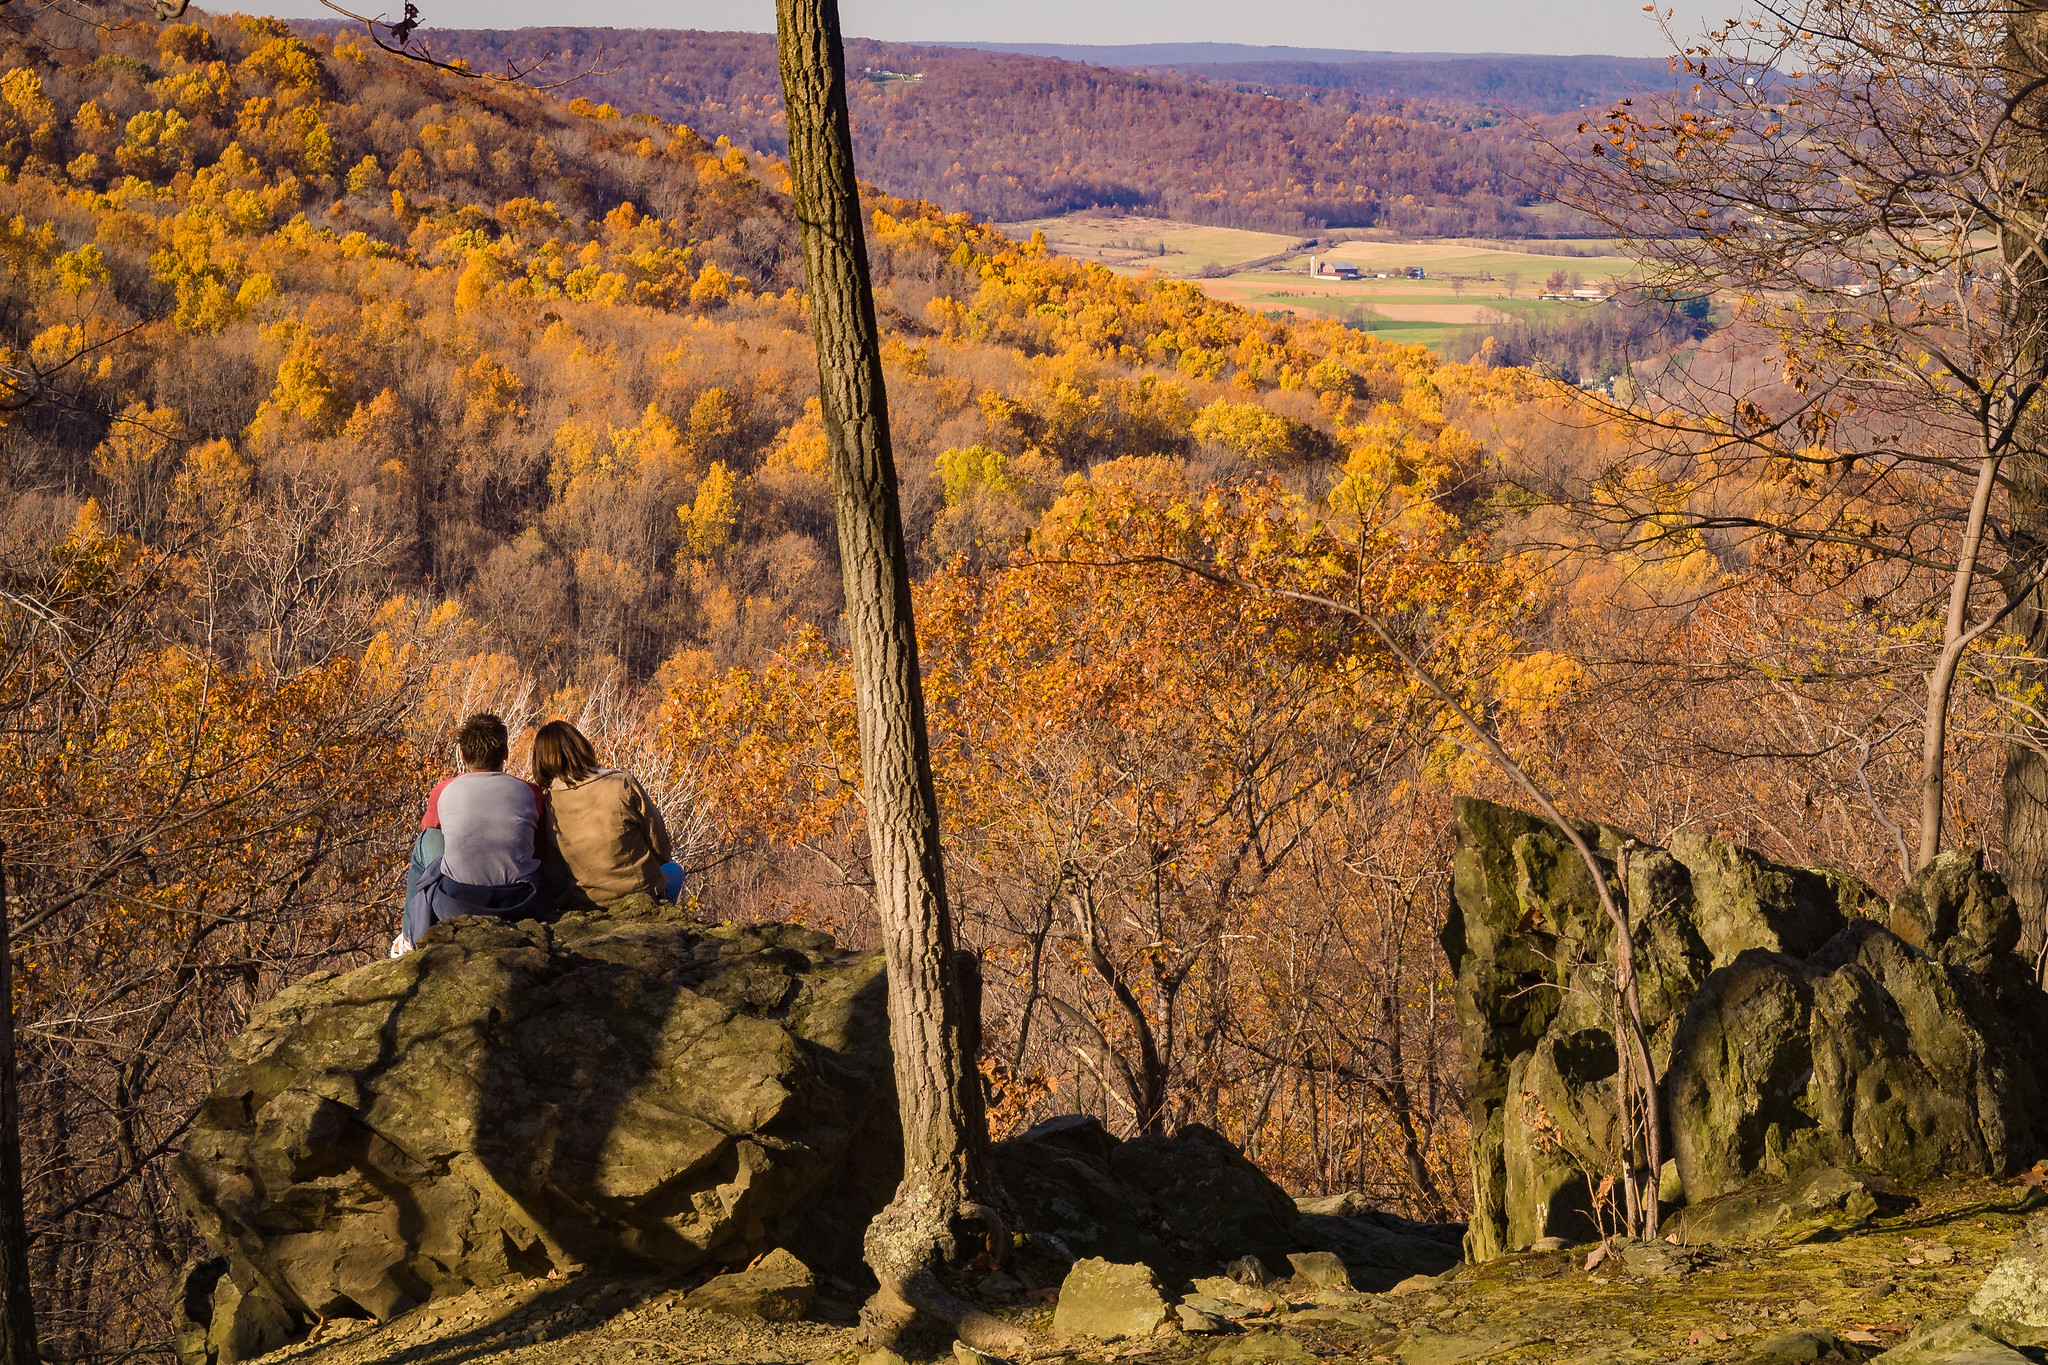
(17, 1309)
(944, 1210)
(2024, 245)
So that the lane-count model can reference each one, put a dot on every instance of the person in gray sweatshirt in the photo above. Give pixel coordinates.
(478, 851)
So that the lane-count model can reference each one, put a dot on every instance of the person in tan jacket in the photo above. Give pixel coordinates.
(601, 823)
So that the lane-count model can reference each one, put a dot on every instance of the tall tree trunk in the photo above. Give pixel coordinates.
(17, 1309)
(2024, 245)
(943, 1212)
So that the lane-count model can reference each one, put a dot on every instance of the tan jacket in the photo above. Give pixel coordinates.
(609, 834)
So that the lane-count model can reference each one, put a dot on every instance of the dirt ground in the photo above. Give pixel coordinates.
(1856, 1296)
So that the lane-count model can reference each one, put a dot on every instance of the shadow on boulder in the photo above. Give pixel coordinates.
(629, 1089)
(1188, 1204)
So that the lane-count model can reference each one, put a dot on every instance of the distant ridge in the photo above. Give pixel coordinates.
(1167, 54)
(1286, 145)
(1206, 54)
(1541, 83)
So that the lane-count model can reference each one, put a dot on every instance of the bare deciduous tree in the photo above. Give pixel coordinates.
(1852, 177)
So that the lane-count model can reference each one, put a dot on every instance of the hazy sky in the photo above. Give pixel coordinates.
(1607, 26)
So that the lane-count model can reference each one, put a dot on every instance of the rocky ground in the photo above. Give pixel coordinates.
(1866, 1292)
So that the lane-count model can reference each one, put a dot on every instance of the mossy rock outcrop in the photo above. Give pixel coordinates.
(1796, 1020)
(629, 1088)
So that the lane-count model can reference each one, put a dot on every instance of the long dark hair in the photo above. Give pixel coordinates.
(560, 750)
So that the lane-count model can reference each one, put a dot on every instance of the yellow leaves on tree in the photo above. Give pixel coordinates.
(481, 273)
(1250, 431)
(709, 521)
(712, 287)
(66, 351)
(287, 64)
(965, 470)
(80, 270)
(801, 446)
(308, 395)
(27, 118)
(158, 143)
(203, 92)
(186, 43)
(714, 421)
(365, 177)
(211, 489)
(491, 396)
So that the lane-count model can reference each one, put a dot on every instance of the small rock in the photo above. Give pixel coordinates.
(1108, 1301)
(1319, 1270)
(1001, 1285)
(1549, 1244)
(1806, 1308)
(1816, 1203)
(1938, 1254)
(1659, 1260)
(963, 1354)
(1425, 1346)
(1795, 1348)
(1193, 1319)
(882, 1357)
(777, 1288)
(1336, 1317)
(1249, 1298)
(1252, 1271)
(1959, 1342)
(1259, 1346)
(1215, 1307)
(2016, 1289)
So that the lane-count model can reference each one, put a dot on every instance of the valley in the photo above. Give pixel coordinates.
(1466, 285)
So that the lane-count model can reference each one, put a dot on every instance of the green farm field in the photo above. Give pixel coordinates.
(1467, 285)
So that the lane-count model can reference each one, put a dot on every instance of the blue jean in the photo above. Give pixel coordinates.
(430, 845)
(672, 873)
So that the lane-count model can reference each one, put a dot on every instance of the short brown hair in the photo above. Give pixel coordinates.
(560, 750)
(483, 742)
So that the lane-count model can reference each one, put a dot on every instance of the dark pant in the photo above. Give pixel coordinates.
(431, 895)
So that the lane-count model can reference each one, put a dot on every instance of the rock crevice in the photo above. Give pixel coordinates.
(1796, 1021)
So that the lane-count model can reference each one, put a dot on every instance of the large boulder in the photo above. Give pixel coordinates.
(1180, 1204)
(1795, 1020)
(1865, 1053)
(1187, 1203)
(625, 1088)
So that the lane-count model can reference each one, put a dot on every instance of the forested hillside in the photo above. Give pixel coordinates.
(343, 398)
(1015, 137)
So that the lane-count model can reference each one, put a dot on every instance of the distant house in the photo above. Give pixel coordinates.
(1589, 295)
(1333, 270)
(1416, 272)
